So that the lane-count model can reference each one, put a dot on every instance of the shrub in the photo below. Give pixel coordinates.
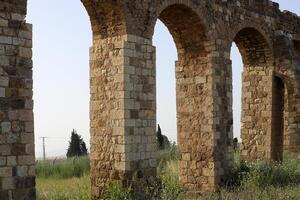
(116, 192)
(171, 188)
(277, 174)
(263, 174)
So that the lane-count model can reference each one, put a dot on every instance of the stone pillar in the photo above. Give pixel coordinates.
(257, 90)
(122, 112)
(203, 142)
(293, 98)
(287, 68)
(17, 160)
(256, 122)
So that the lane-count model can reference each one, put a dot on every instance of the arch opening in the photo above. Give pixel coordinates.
(165, 84)
(256, 106)
(297, 47)
(237, 69)
(192, 70)
(187, 30)
(278, 102)
(107, 18)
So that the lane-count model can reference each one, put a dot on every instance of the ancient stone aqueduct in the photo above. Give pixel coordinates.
(123, 90)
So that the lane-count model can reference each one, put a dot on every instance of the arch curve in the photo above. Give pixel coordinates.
(194, 44)
(189, 4)
(258, 88)
(254, 46)
(107, 18)
(188, 32)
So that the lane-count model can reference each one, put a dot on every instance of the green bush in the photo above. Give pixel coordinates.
(171, 188)
(116, 192)
(277, 174)
(263, 174)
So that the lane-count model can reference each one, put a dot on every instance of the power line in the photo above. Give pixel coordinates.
(44, 148)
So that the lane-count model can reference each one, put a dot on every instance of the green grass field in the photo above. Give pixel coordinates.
(77, 188)
(69, 179)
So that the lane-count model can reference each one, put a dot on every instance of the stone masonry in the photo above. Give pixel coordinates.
(203, 31)
(123, 90)
(17, 159)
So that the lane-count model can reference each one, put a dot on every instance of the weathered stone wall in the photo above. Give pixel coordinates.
(17, 160)
(122, 111)
(123, 90)
(203, 32)
(257, 78)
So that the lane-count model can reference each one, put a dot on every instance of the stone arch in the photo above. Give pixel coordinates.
(107, 18)
(187, 29)
(200, 169)
(198, 10)
(257, 91)
(287, 62)
(288, 72)
(254, 47)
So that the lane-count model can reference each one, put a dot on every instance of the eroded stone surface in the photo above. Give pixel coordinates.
(203, 31)
(123, 90)
(15, 72)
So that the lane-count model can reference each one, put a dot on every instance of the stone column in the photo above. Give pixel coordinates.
(287, 68)
(256, 118)
(122, 112)
(257, 90)
(17, 160)
(203, 126)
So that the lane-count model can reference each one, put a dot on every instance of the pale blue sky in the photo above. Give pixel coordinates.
(62, 37)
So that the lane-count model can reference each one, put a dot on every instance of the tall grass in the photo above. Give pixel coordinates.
(263, 174)
(63, 169)
(247, 180)
(171, 188)
(63, 189)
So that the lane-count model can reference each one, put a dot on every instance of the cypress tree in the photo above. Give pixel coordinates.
(77, 146)
(160, 138)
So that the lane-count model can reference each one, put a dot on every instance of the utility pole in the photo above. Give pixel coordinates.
(44, 149)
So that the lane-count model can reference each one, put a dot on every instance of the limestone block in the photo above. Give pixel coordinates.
(25, 52)
(5, 40)
(26, 160)
(5, 127)
(2, 161)
(11, 161)
(5, 171)
(31, 171)
(27, 138)
(8, 183)
(22, 171)
(5, 150)
(18, 17)
(4, 81)
(2, 92)
(3, 23)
